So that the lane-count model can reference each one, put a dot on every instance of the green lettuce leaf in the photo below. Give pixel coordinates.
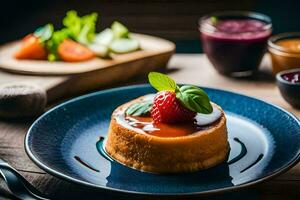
(81, 29)
(53, 43)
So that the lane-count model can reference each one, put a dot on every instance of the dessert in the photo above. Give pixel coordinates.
(176, 130)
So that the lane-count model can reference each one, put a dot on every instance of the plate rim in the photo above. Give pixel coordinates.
(70, 179)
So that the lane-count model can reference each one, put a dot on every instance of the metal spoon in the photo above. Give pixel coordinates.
(17, 184)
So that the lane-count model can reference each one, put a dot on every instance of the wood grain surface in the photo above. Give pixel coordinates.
(185, 68)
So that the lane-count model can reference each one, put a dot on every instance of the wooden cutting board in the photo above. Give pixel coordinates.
(61, 79)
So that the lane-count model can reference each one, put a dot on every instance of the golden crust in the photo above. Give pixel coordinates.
(145, 152)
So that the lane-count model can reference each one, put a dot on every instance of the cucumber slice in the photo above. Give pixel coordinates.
(44, 32)
(105, 37)
(100, 50)
(119, 30)
(124, 45)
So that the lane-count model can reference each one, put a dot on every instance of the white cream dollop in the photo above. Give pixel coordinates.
(205, 119)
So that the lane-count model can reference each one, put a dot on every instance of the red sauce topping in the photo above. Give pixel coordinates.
(162, 129)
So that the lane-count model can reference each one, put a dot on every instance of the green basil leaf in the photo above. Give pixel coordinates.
(139, 108)
(194, 99)
(162, 82)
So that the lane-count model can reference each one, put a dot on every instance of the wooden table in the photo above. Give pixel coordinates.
(185, 68)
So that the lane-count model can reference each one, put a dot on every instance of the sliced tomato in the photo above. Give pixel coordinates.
(72, 51)
(31, 48)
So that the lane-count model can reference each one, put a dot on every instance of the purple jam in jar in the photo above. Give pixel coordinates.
(235, 44)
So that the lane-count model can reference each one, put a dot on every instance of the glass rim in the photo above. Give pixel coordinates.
(275, 38)
(234, 13)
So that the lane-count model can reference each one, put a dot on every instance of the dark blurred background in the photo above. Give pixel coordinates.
(176, 20)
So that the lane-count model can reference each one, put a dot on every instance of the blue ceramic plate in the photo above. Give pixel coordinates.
(264, 141)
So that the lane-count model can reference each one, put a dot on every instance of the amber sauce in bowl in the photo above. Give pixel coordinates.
(285, 51)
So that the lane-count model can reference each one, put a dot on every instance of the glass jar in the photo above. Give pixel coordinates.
(235, 41)
(284, 51)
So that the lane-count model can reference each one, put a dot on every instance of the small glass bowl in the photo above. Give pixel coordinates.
(283, 58)
(235, 53)
(289, 90)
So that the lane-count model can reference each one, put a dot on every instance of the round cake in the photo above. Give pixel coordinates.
(176, 130)
(135, 146)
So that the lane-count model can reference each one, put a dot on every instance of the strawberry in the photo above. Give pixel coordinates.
(168, 109)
